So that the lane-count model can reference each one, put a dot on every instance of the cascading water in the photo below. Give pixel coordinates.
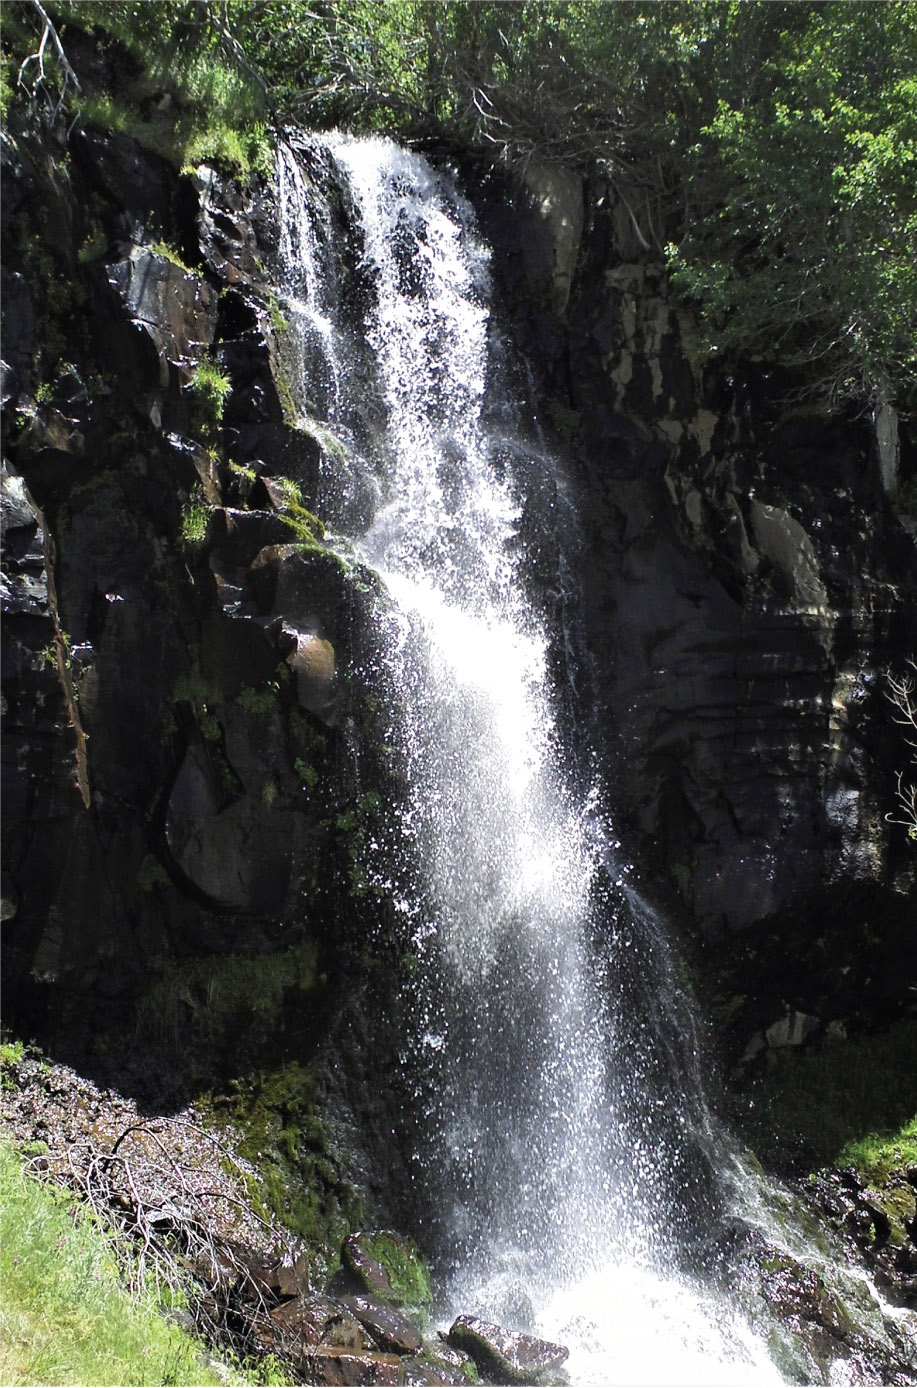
(567, 1177)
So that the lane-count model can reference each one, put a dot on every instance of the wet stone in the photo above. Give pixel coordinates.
(341, 1366)
(318, 1320)
(506, 1356)
(425, 1370)
(388, 1327)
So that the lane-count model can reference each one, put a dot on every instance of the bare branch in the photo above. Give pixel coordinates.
(49, 35)
(901, 692)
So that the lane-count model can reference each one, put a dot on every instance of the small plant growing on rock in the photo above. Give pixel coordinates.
(194, 519)
(210, 387)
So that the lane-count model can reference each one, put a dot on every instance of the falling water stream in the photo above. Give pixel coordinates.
(578, 1177)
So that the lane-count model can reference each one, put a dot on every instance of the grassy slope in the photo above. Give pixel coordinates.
(65, 1314)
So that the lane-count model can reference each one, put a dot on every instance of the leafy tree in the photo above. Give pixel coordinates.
(803, 195)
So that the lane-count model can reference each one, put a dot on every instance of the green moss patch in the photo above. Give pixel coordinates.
(279, 1128)
(389, 1267)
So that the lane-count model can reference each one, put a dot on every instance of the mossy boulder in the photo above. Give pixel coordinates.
(388, 1267)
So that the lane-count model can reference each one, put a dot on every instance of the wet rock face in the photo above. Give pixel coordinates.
(745, 584)
(172, 762)
(878, 1218)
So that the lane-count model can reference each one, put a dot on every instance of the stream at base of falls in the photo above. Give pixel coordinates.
(571, 1180)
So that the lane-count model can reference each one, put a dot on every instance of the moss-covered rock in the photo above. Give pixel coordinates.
(388, 1267)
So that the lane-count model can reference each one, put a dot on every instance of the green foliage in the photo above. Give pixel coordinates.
(407, 1272)
(187, 95)
(66, 1316)
(11, 1053)
(804, 191)
(152, 874)
(877, 1156)
(195, 517)
(214, 997)
(767, 152)
(259, 701)
(172, 255)
(306, 773)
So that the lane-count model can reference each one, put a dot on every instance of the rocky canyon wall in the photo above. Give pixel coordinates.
(186, 696)
(748, 577)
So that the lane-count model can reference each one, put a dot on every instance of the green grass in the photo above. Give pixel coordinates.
(879, 1155)
(66, 1316)
(839, 1103)
(195, 517)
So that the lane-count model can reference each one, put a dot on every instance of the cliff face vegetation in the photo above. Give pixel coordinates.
(703, 257)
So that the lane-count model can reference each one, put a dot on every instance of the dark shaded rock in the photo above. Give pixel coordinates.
(247, 359)
(18, 335)
(388, 1267)
(174, 307)
(139, 184)
(237, 537)
(227, 239)
(306, 583)
(507, 1356)
(390, 1330)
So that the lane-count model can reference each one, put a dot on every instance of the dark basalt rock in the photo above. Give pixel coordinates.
(227, 239)
(136, 182)
(877, 1219)
(175, 307)
(24, 580)
(507, 1356)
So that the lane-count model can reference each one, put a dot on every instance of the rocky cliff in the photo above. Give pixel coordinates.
(748, 576)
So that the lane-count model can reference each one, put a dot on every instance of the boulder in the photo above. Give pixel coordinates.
(239, 536)
(433, 1369)
(338, 1366)
(312, 660)
(507, 1356)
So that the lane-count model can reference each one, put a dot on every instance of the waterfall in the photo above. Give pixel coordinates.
(568, 1174)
